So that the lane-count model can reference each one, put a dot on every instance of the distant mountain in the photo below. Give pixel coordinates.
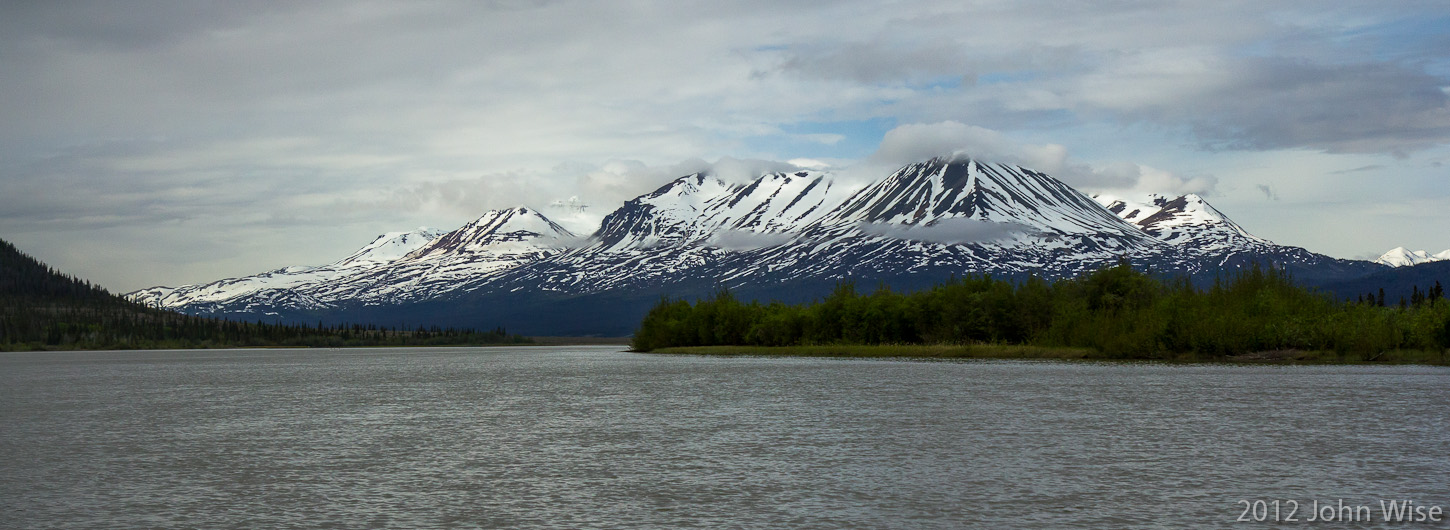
(25, 278)
(397, 267)
(285, 287)
(788, 236)
(1398, 282)
(666, 236)
(1402, 257)
(1211, 244)
(1185, 220)
(43, 309)
(388, 248)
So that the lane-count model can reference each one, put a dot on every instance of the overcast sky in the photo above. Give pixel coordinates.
(164, 143)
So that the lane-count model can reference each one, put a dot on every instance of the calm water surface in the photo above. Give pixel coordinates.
(591, 437)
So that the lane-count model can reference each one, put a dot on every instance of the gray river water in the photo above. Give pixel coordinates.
(592, 437)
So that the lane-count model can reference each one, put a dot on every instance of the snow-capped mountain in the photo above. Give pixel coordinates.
(388, 248)
(697, 208)
(939, 216)
(1207, 242)
(943, 217)
(395, 267)
(1183, 220)
(778, 234)
(509, 235)
(684, 231)
(939, 189)
(283, 287)
(1402, 257)
(497, 241)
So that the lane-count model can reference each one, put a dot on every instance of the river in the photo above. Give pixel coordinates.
(593, 437)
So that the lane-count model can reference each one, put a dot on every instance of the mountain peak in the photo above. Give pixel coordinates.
(389, 247)
(926, 193)
(1186, 218)
(1403, 257)
(519, 226)
(684, 186)
(695, 207)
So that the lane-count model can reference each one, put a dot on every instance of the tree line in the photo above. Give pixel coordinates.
(1116, 310)
(41, 309)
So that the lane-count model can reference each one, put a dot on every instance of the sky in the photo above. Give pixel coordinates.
(166, 143)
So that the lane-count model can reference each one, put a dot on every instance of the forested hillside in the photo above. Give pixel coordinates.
(1118, 311)
(41, 308)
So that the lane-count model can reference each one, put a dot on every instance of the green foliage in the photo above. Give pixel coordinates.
(1116, 311)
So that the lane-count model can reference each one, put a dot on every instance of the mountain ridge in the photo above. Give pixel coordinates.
(781, 234)
(1403, 257)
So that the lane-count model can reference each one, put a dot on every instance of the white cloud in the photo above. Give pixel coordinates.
(915, 142)
(825, 138)
(1269, 192)
(1240, 102)
(1131, 177)
(919, 141)
(949, 231)
(809, 163)
(747, 240)
(739, 171)
(323, 123)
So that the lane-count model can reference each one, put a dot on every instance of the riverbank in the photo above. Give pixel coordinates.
(1005, 351)
(578, 341)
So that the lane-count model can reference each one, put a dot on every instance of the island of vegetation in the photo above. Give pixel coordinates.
(1258, 314)
(42, 309)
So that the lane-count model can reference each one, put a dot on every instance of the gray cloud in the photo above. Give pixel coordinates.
(103, 26)
(599, 189)
(1273, 103)
(747, 240)
(1318, 86)
(919, 141)
(312, 125)
(1140, 178)
(1371, 167)
(883, 61)
(949, 231)
(914, 142)
(739, 171)
(1268, 191)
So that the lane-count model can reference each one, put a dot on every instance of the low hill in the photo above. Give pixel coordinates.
(25, 278)
(41, 308)
(1398, 282)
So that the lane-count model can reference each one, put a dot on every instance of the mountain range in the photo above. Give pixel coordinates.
(787, 236)
(1403, 257)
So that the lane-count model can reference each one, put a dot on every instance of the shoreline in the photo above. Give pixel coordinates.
(542, 341)
(998, 351)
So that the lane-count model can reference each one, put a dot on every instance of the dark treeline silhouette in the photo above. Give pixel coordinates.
(41, 308)
(1117, 310)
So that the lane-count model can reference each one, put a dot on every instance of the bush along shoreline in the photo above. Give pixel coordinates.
(1257, 314)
